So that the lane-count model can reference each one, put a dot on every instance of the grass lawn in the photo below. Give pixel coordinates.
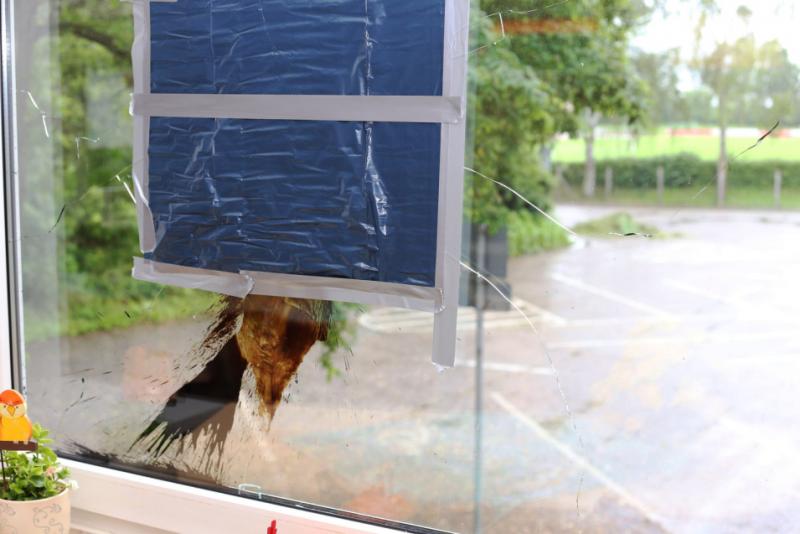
(743, 197)
(91, 312)
(619, 223)
(662, 144)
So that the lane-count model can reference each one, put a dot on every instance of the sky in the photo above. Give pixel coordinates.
(770, 19)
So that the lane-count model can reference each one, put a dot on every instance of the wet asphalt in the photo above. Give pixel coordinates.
(655, 394)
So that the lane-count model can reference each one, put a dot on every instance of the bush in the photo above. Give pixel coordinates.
(620, 224)
(509, 120)
(686, 170)
(529, 233)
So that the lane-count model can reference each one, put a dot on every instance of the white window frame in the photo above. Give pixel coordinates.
(110, 500)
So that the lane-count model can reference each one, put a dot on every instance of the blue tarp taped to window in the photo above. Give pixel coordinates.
(342, 199)
(321, 47)
(321, 198)
(320, 140)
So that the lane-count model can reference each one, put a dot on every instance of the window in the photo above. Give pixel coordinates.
(625, 340)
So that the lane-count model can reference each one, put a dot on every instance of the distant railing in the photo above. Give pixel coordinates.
(697, 178)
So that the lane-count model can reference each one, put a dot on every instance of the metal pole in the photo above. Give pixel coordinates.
(480, 304)
(660, 184)
(778, 177)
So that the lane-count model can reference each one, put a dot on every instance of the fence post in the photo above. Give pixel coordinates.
(660, 184)
(778, 183)
(559, 174)
(609, 181)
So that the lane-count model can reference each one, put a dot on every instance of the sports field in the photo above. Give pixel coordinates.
(663, 144)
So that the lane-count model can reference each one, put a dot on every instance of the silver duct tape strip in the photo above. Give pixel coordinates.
(233, 284)
(287, 285)
(431, 109)
(140, 55)
(451, 185)
(359, 291)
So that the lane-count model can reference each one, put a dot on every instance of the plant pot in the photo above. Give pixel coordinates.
(47, 516)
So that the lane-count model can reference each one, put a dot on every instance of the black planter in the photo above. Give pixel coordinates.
(495, 267)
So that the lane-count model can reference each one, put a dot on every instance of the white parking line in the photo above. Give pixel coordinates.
(508, 367)
(579, 460)
(744, 316)
(764, 359)
(609, 295)
(683, 339)
(392, 320)
(752, 454)
(700, 292)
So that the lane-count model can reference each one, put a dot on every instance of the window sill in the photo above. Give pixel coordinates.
(113, 501)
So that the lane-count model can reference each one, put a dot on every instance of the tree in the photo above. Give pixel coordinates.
(510, 114)
(581, 57)
(751, 84)
(664, 102)
(727, 72)
(775, 87)
(699, 108)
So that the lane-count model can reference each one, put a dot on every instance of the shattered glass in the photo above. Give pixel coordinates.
(626, 343)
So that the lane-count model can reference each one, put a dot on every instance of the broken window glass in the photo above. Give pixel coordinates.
(625, 341)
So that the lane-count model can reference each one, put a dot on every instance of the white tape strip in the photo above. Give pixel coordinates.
(288, 285)
(233, 284)
(435, 109)
(141, 125)
(341, 289)
(451, 185)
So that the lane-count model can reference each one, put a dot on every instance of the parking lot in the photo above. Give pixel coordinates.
(677, 361)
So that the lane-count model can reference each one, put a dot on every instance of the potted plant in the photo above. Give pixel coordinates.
(34, 492)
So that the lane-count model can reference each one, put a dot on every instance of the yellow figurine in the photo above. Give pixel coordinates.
(14, 423)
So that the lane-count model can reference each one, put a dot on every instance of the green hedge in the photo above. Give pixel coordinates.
(685, 170)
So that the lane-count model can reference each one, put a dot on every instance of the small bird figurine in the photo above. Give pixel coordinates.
(14, 423)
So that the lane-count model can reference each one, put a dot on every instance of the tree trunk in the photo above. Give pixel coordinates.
(546, 156)
(590, 170)
(722, 162)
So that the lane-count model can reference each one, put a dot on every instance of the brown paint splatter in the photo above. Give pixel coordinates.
(270, 334)
(225, 322)
(275, 336)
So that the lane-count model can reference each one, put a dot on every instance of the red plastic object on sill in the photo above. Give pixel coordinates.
(273, 528)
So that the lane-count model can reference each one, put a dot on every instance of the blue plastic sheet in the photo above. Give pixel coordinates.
(330, 47)
(341, 199)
